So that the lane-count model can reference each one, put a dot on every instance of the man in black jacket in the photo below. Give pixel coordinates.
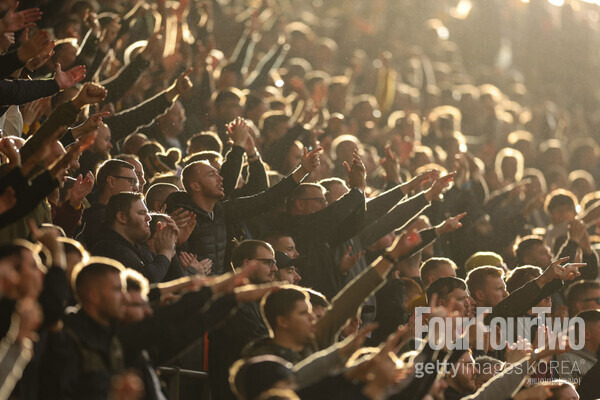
(215, 220)
(317, 228)
(227, 342)
(114, 176)
(95, 345)
(126, 229)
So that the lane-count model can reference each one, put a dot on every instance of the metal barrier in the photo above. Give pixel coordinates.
(173, 376)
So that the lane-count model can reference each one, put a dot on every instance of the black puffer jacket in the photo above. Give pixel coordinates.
(211, 237)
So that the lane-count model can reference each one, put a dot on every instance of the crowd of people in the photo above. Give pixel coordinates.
(288, 196)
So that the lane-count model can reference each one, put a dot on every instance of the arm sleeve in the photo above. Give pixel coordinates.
(240, 59)
(28, 196)
(518, 302)
(590, 271)
(327, 221)
(63, 115)
(21, 91)
(271, 61)
(231, 168)
(247, 207)
(317, 366)
(124, 79)
(257, 180)
(400, 215)
(378, 206)
(132, 119)
(9, 63)
(345, 305)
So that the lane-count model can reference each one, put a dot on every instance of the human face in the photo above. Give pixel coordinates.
(300, 322)
(139, 172)
(311, 201)
(112, 299)
(319, 312)
(286, 245)
(461, 301)
(289, 274)
(31, 277)
(138, 222)
(102, 144)
(564, 213)
(265, 271)
(494, 291)
(229, 110)
(208, 182)
(125, 181)
(592, 336)
(136, 308)
(464, 380)
(590, 301)
(336, 191)
(539, 256)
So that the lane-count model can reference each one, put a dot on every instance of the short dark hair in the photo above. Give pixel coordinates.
(270, 119)
(120, 202)
(519, 276)
(188, 172)
(524, 245)
(204, 141)
(274, 236)
(246, 250)
(110, 168)
(207, 155)
(432, 264)
(85, 274)
(476, 278)
(558, 198)
(281, 303)
(443, 286)
(156, 192)
(317, 299)
(135, 281)
(228, 94)
(73, 246)
(300, 191)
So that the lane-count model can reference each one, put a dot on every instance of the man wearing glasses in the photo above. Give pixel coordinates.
(114, 176)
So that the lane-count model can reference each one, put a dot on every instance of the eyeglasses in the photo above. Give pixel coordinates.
(132, 181)
(321, 200)
(269, 261)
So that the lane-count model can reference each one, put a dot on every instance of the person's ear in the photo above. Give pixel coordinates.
(282, 322)
(195, 186)
(479, 295)
(93, 296)
(121, 217)
(110, 182)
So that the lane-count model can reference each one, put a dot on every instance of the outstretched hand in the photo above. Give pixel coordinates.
(69, 78)
(450, 225)
(16, 20)
(310, 161)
